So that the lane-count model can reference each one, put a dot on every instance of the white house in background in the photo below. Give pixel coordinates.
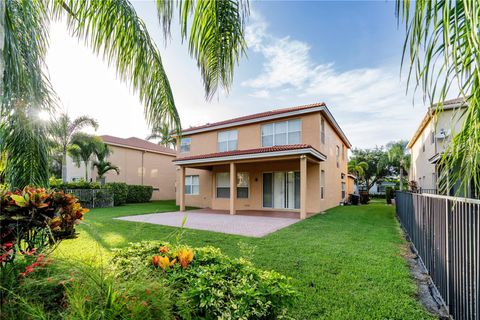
(430, 140)
(141, 162)
(378, 188)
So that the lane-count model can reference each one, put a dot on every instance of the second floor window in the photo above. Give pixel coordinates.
(281, 133)
(337, 156)
(343, 152)
(227, 140)
(322, 130)
(185, 144)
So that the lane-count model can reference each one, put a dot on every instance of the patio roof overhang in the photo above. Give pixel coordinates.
(253, 154)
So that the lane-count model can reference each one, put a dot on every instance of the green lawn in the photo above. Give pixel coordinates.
(346, 264)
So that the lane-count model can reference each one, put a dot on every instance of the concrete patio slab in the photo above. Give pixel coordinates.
(244, 225)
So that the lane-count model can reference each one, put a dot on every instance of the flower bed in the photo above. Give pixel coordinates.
(206, 283)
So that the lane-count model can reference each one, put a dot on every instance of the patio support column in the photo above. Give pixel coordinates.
(303, 187)
(181, 186)
(233, 187)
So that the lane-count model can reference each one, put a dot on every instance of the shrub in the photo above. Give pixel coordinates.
(137, 194)
(35, 219)
(389, 194)
(206, 283)
(120, 192)
(66, 291)
(80, 184)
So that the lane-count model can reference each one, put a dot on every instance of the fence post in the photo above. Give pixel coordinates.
(447, 253)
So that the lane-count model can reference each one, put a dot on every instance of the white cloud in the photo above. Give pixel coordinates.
(369, 103)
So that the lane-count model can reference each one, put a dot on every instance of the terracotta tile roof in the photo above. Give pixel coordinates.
(256, 115)
(451, 102)
(137, 143)
(250, 151)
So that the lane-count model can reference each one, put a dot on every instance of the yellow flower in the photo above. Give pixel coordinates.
(165, 263)
(185, 256)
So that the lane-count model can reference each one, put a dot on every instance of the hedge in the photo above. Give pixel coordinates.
(120, 192)
(137, 193)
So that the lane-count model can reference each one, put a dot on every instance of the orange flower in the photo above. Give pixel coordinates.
(163, 249)
(155, 260)
(185, 256)
(166, 263)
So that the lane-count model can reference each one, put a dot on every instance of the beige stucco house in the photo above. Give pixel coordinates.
(292, 159)
(141, 162)
(431, 138)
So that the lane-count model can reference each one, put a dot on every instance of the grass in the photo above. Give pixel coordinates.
(346, 264)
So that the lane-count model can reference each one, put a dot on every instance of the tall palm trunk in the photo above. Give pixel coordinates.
(64, 166)
(86, 170)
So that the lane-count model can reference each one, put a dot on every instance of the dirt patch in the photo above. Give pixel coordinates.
(426, 291)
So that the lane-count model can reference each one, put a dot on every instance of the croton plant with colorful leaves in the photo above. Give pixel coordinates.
(36, 219)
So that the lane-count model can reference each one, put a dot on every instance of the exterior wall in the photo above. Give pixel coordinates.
(350, 186)
(421, 170)
(249, 137)
(157, 170)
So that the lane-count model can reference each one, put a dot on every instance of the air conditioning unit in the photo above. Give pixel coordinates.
(442, 134)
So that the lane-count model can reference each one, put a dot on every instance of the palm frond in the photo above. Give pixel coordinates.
(28, 154)
(441, 47)
(112, 28)
(81, 123)
(215, 39)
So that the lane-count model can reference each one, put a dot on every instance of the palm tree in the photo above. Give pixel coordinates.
(214, 31)
(358, 168)
(103, 166)
(63, 129)
(83, 148)
(399, 157)
(164, 134)
(441, 46)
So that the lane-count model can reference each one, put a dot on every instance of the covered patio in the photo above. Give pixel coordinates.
(278, 183)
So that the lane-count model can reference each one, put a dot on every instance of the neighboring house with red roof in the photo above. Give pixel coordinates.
(141, 162)
(292, 159)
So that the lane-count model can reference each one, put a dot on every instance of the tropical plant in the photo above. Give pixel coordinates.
(357, 168)
(441, 46)
(214, 31)
(34, 220)
(399, 158)
(63, 129)
(165, 136)
(377, 167)
(103, 166)
(83, 148)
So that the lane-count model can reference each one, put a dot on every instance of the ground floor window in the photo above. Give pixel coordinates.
(192, 185)
(243, 181)
(343, 190)
(322, 184)
(281, 190)
(223, 185)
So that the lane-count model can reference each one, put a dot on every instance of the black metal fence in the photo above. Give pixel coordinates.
(446, 233)
(93, 198)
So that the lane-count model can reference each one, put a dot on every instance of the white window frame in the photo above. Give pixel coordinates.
(247, 181)
(232, 144)
(185, 142)
(322, 130)
(189, 181)
(287, 132)
(217, 186)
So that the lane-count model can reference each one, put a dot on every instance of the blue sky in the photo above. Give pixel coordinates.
(346, 54)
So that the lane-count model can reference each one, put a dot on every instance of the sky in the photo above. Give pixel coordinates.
(346, 54)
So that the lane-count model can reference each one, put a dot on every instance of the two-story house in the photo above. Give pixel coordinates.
(292, 159)
(430, 140)
(141, 162)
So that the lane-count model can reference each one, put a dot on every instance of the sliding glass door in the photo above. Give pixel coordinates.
(281, 190)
